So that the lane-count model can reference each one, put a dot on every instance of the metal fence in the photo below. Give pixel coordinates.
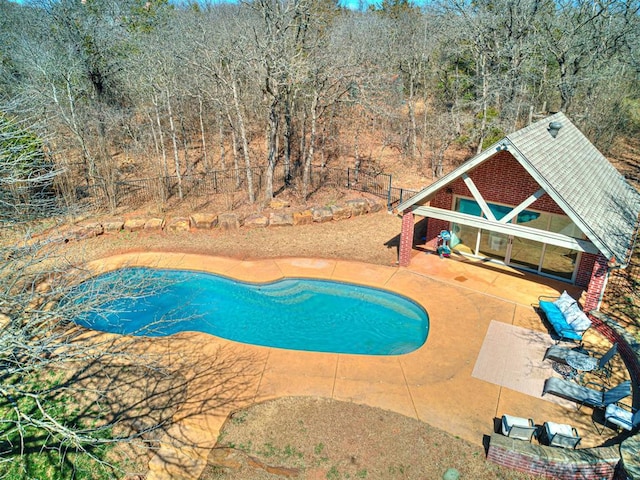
(160, 190)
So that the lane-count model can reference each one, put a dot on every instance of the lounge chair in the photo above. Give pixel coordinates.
(585, 395)
(561, 435)
(518, 427)
(625, 418)
(561, 354)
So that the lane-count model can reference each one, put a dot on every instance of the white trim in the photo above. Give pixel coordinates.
(516, 230)
(517, 210)
(478, 197)
(604, 287)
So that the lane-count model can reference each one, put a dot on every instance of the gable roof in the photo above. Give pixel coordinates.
(575, 174)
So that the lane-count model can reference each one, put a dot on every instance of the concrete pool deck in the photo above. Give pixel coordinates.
(475, 313)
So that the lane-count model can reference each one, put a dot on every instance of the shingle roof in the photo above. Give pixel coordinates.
(576, 175)
(583, 183)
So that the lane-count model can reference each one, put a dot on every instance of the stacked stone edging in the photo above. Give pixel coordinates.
(617, 462)
(281, 217)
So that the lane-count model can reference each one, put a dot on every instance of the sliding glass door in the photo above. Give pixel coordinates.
(494, 245)
(525, 253)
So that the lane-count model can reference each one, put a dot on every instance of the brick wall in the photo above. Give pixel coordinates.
(551, 462)
(406, 238)
(599, 275)
(500, 179)
(585, 269)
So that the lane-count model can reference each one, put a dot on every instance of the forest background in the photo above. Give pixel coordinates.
(133, 89)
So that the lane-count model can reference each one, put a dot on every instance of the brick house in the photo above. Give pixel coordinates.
(542, 199)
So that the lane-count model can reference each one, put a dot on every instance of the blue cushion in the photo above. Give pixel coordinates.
(558, 322)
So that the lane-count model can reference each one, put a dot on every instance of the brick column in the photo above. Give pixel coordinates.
(599, 276)
(406, 238)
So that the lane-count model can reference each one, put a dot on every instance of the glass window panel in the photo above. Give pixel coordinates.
(559, 261)
(499, 211)
(470, 207)
(463, 238)
(493, 245)
(564, 225)
(526, 253)
(531, 219)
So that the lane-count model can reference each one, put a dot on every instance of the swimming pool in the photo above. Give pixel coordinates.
(296, 314)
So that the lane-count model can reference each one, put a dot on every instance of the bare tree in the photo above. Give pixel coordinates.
(68, 394)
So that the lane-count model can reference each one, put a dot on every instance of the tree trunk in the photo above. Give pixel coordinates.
(272, 155)
(413, 129)
(485, 101)
(165, 163)
(164, 189)
(205, 160)
(72, 122)
(185, 147)
(174, 141)
(306, 177)
(245, 142)
(288, 138)
(221, 138)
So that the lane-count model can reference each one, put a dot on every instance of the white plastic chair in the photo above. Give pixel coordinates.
(518, 427)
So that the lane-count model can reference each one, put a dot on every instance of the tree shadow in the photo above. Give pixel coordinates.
(131, 393)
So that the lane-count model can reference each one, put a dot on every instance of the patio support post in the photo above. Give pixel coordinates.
(597, 284)
(406, 238)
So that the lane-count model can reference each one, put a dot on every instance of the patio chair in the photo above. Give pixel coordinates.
(560, 354)
(518, 427)
(622, 416)
(584, 395)
(561, 435)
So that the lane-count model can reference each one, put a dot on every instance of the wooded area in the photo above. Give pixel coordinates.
(119, 89)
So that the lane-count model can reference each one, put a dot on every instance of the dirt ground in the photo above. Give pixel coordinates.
(313, 438)
(371, 238)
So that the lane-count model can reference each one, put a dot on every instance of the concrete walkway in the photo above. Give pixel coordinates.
(435, 384)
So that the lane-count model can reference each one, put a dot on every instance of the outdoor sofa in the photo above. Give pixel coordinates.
(565, 316)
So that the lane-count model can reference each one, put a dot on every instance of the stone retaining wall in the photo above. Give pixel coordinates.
(618, 462)
(226, 221)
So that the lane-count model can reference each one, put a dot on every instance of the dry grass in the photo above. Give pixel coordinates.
(316, 438)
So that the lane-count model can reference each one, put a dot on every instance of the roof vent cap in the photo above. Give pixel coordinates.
(554, 128)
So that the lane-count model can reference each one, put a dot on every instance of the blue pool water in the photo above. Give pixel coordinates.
(297, 314)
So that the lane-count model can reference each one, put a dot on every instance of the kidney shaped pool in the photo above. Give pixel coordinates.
(297, 314)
